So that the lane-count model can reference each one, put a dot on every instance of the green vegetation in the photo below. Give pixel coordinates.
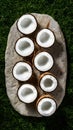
(62, 11)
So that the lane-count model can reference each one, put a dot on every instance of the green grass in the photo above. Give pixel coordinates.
(62, 11)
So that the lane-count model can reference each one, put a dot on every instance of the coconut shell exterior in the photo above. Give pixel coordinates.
(59, 69)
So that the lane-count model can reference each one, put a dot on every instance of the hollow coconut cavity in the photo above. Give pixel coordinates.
(24, 46)
(48, 83)
(43, 61)
(22, 71)
(45, 38)
(27, 24)
(46, 106)
(27, 93)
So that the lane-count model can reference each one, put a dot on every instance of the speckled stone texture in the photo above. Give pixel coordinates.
(58, 51)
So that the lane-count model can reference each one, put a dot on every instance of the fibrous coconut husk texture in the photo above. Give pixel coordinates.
(58, 51)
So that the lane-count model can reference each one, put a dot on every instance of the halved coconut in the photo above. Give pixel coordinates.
(24, 46)
(46, 106)
(27, 93)
(43, 61)
(22, 71)
(45, 38)
(48, 83)
(27, 24)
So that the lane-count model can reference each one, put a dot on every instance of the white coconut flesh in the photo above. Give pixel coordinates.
(24, 46)
(27, 93)
(43, 61)
(48, 83)
(46, 106)
(27, 24)
(45, 38)
(22, 71)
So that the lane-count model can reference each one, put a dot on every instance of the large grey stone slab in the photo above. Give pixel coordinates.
(58, 51)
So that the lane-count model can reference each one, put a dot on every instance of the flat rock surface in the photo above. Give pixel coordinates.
(58, 51)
